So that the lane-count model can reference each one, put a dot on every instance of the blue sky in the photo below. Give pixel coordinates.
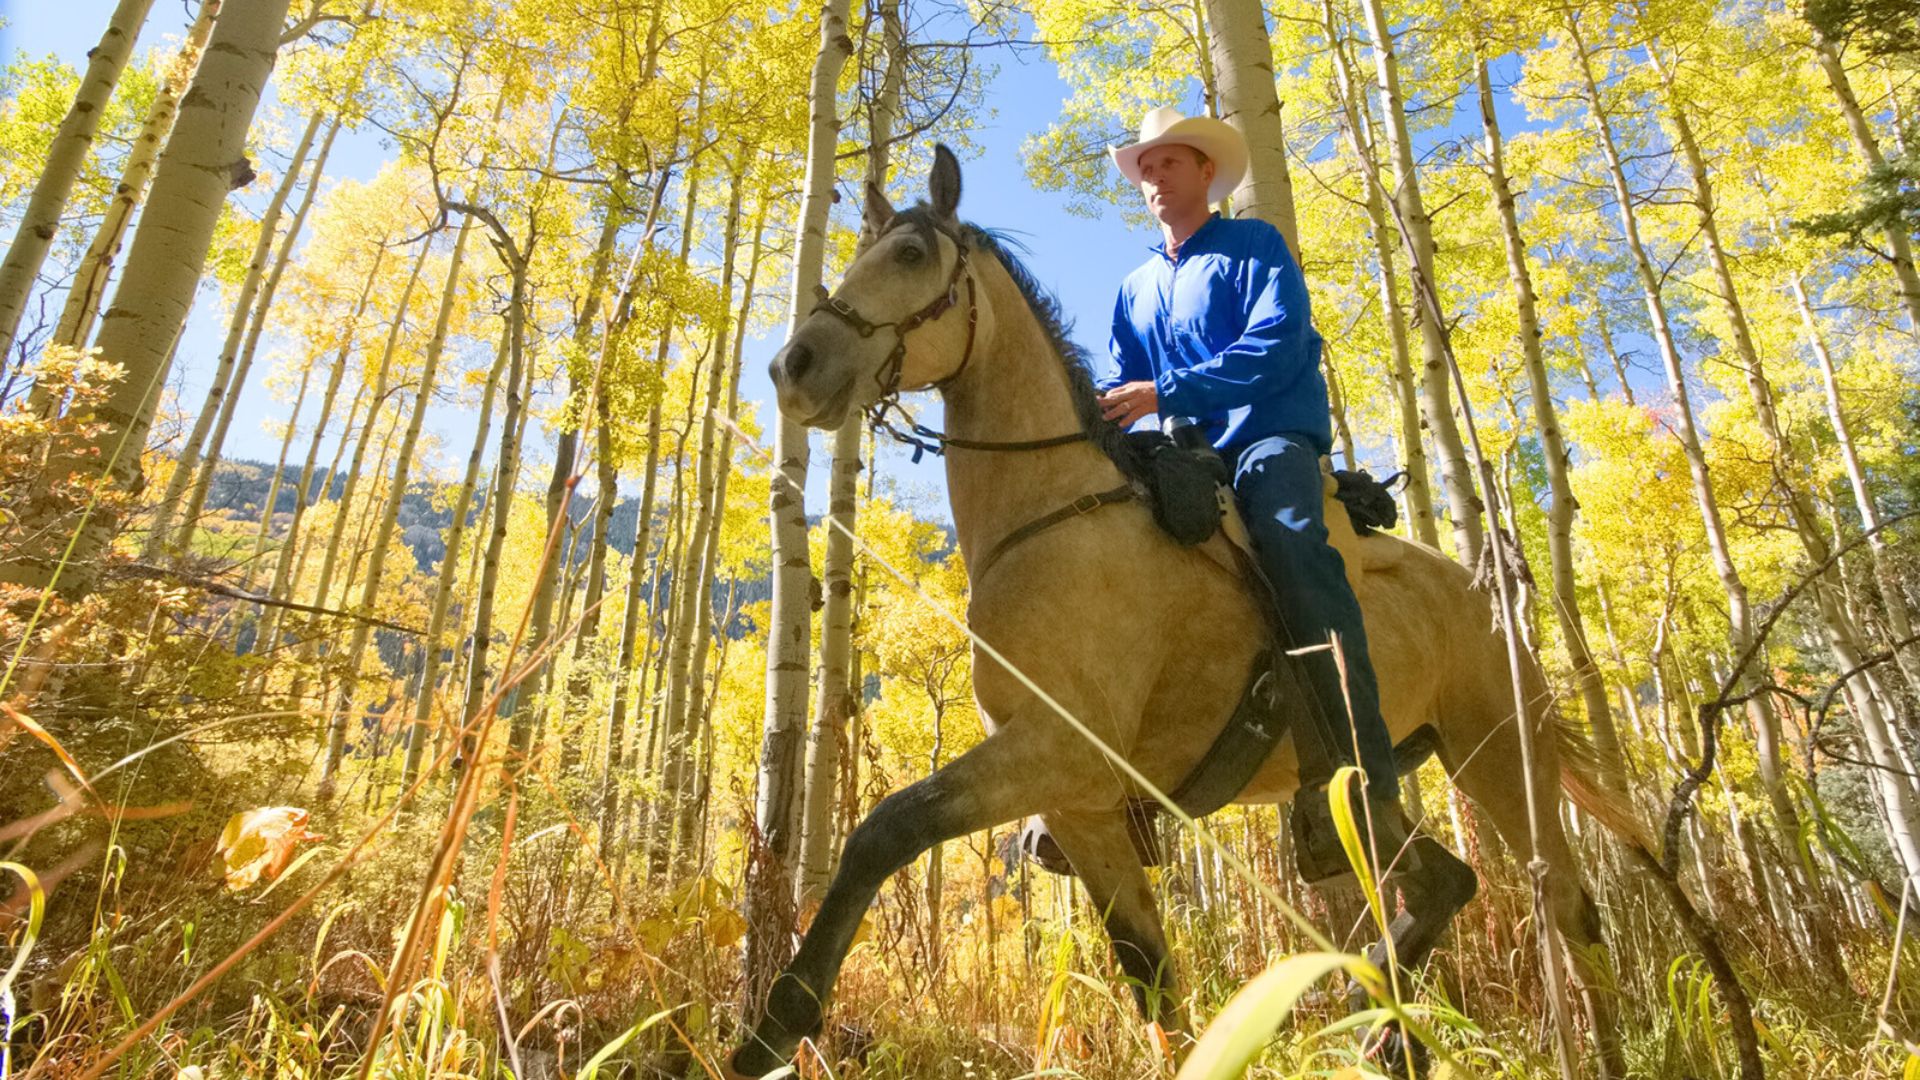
(1081, 259)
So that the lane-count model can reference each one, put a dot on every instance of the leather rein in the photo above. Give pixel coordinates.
(924, 439)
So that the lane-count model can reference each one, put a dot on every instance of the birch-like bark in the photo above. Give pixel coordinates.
(693, 592)
(209, 453)
(1553, 446)
(68, 153)
(1361, 140)
(611, 804)
(1740, 637)
(284, 570)
(390, 511)
(833, 702)
(1242, 55)
(187, 461)
(1436, 395)
(1899, 243)
(446, 583)
(1843, 634)
(499, 501)
(560, 480)
(769, 942)
(273, 488)
(1886, 575)
(82, 308)
(195, 172)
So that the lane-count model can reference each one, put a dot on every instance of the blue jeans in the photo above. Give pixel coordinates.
(1279, 485)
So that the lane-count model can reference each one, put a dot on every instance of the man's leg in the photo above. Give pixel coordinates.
(1281, 492)
(1280, 488)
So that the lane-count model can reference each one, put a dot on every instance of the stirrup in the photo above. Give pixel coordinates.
(1317, 852)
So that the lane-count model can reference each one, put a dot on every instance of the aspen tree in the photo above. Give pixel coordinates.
(285, 571)
(20, 267)
(1897, 794)
(1357, 119)
(1899, 243)
(201, 163)
(1242, 59)
(1437, 397)
(580, 380)
(82, 308)
(834, 698)
(1565, 599)
(390, 512)
(693, 593)
(784, 727)
(229, 398)
(444, 585)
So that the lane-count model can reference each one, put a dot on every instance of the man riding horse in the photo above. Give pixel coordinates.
(1216, 329)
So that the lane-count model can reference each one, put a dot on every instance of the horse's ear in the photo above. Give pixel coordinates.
(943, 188)
(878, 211)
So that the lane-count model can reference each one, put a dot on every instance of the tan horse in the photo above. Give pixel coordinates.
(1148, 643)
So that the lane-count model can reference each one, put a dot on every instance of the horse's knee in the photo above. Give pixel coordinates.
(905, 824)
(1444, 880)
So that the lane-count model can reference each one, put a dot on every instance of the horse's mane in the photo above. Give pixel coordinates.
(1045, 307)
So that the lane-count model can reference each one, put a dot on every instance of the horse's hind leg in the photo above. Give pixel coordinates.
(1101, 850)
(1486, 776)
(993, 783)
(1434, 891)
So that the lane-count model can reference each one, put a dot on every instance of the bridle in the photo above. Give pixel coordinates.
(922, 438)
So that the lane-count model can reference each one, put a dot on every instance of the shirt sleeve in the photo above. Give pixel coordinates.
(1126, 359)
(1274, 350)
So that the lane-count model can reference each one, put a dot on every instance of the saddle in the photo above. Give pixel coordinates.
(1188, 489)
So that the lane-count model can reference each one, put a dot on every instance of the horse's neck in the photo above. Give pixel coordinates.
(1015, 389)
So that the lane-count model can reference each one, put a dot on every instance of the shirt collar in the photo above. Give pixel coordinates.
(1160, 249)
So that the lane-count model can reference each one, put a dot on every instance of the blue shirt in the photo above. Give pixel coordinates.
(1225, 334)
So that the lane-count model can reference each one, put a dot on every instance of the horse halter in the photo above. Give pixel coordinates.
(889, 374)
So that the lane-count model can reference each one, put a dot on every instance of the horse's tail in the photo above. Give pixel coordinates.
(1595, 787)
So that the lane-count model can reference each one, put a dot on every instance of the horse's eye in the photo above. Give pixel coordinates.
(910, 253)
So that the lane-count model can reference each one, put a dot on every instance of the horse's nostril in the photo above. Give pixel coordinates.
(799, 361)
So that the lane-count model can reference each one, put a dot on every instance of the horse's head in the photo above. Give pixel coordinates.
(907, 315)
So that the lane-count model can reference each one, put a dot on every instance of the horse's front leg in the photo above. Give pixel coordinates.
(1008, 776)
(1100, 847)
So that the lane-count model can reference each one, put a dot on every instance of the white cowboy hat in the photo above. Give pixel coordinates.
(1217, 139)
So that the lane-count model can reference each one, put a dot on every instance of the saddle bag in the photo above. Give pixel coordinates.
(1182, 484)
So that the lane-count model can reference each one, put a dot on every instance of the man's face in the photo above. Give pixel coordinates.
(1174, 181)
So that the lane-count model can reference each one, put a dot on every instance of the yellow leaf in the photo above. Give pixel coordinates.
(725, 927)
(259, 843)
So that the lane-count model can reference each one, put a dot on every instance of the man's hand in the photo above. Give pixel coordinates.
(1128, 402)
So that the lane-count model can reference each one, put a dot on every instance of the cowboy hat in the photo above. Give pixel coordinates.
(1164, 126)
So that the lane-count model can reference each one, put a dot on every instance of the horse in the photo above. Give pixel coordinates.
(1025, 441)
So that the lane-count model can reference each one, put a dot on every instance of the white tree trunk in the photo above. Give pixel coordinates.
(1360, 139)
(191, 182)
(82, 309)
(785, 723)
(71, 144)
(1553, 446)
(337, 728)
(251, 308)
(833, 703)
(446, 581)
(1899, 244)
(1243, 74)
(1437, 398)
